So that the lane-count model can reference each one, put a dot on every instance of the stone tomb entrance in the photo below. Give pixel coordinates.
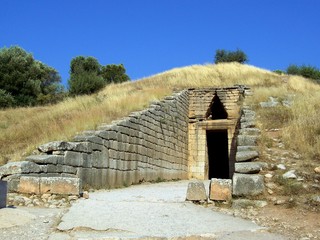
(213, 120)
(218, 157)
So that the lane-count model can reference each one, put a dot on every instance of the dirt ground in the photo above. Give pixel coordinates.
(291, 210)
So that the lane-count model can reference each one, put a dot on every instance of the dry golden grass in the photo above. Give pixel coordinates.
(23, 129)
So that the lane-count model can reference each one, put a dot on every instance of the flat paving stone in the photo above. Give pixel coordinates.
(151, 211)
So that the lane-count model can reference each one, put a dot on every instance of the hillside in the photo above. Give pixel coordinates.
(23, 129)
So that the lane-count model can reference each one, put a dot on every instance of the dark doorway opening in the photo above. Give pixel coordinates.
(218, 160)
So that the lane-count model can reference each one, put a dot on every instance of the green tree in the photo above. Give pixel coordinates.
(85, 76)
(114, 73)
(85, 83)
(25, 78)
(88, 76)
(230, 56)
(83, 64)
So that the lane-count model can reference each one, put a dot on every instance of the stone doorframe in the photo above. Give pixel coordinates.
(198, 151)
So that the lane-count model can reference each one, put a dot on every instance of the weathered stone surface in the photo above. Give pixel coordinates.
(317, 170)
(247, 148)
(220, 189)
(248, 124)
(29, 185)
(290, 175)
(247, 118)
(3, 194)
(248, 167)
(272, 103)
(281, 166)
(60, 185)
(315, 199)
(247, 184)
(196, 192)
(88, 138)
(245, 203)
(246, 156)
(44, 159)
(249, 131)
(19, 168)
(247, 140)
(56, 146)
(74, 159)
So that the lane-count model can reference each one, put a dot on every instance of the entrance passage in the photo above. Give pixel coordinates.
(218, 160)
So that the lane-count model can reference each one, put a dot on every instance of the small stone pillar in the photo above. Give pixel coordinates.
(220, 189)
(3, 194)
(196, 192)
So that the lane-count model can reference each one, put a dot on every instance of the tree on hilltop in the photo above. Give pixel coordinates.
(230, 56)
(114, 73)
(87, 76)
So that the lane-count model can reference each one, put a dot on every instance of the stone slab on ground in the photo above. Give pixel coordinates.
(247, 140)
(247, 184)
(3, 194)
(220, 189)
(149, 212)
(196, 192)
(245, 203)
(246, 156)
(248, 167)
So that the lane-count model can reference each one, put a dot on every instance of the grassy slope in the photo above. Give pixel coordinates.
(23, 129)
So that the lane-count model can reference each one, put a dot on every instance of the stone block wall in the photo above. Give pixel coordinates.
(147, 145)
(200, 101)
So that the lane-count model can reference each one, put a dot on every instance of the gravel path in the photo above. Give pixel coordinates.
(24, 223)
(151, 211)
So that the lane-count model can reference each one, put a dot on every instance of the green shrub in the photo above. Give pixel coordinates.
(280, 72)
(230, 56)
(305, 71)
(85, 83)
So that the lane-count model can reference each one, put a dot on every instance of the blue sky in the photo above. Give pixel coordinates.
(151, 36)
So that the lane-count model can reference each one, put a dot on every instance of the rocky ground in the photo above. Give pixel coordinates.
(292, 193)
(290, 205)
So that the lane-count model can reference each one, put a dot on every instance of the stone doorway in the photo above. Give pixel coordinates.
(218, 154)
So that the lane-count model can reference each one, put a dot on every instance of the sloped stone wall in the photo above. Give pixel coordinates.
(148, 145)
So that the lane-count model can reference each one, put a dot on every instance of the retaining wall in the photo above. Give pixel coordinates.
(148, 145)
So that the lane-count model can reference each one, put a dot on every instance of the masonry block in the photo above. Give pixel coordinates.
(220, 189)
(19, 168)
(45, 159)
(75, 159)
(3, 194)
(29, 185)
(196, 192)
(60, 185)
(247, 184)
